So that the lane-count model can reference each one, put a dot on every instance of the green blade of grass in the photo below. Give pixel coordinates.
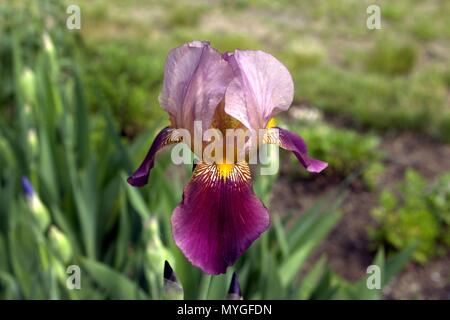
(116, 285)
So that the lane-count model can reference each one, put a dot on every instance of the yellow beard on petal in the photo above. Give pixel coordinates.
(225, 169)
(210, 174)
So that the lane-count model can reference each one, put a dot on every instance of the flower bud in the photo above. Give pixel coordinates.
(156, 253)
(35, 204)
(32, 141)
(172, 289)
(60, 244)
(234, 293)
(27, 81)
(48, 43)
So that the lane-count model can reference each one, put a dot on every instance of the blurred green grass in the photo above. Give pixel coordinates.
(77, 119)
(391, 79)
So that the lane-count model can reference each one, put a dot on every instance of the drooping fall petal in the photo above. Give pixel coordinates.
(293, 142)
(140, 177)
(219, 216)
(262, 87)
(195, 79)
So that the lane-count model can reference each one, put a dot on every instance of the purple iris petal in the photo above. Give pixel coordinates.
(27, 187)
(195, 79)
(293, 142)
(140, 177)
(219, 217)
(262, 87)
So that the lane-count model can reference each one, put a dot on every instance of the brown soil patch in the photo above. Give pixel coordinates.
(348, 246)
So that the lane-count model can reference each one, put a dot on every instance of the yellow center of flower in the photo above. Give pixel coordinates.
(271, 123)
(225, 169)
(223, 120)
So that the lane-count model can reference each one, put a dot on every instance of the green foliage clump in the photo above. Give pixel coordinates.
(372, 175)
(425, 29)
(373, 100)
(391, 57)
(185, 15)
(439, 200)
(129, 77)
(395, 11)
(415, 215)
(28, 18)
(345, 150)
(303, 53)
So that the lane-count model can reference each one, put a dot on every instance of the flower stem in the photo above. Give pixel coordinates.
(205, 286)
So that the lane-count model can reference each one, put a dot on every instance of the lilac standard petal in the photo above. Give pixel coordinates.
(195, 79)
(262, 87)
(140, 177)
(219, 217)
(293, 142)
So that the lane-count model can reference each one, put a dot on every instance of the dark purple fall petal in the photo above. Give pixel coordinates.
(218, 218)
(140, 177)
(293, 142)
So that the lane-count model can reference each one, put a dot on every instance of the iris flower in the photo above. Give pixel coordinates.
(220, 216)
